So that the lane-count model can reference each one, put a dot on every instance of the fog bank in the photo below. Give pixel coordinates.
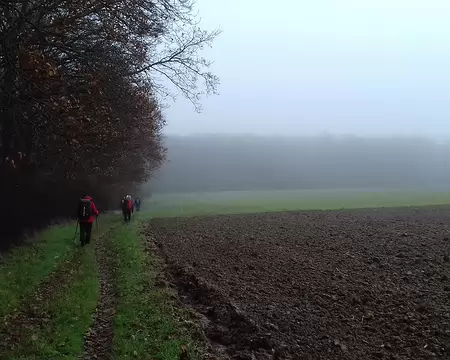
(219, 162)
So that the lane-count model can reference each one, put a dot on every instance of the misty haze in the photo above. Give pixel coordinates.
(225, 180)
(211, 163)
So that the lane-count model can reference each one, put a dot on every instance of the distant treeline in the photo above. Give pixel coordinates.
(215, 163)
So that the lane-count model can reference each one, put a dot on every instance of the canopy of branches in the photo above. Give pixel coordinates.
(80, 81)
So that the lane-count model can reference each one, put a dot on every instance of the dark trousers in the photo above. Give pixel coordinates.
(127, 215)
(85, 232)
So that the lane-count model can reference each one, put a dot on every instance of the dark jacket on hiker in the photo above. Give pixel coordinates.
(137, 203)
(94, 212)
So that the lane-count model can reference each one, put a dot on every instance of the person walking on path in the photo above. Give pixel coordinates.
(137, 204)
(87, 213)
(127, 208)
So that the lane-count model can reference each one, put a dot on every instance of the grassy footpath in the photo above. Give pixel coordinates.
(148, 325)
(146, 320)
(67, 316)
(26, 266)
(72, 314)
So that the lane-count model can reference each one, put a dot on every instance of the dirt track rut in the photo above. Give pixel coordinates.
(100, 338)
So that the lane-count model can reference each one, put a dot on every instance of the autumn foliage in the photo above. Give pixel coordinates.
(80, 83)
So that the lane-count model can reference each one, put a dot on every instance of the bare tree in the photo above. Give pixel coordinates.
(176, 59)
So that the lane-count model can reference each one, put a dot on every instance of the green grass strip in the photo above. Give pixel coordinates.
(242, 202)
(24, 267)
(68, 317)
(72, 313)
(146, 325)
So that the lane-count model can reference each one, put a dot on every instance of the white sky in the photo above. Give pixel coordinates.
(310, 66)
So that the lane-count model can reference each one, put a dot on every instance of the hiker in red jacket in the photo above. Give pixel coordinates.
(127, 208)
(87, 212)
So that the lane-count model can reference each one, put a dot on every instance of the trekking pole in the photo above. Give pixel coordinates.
(76, 229)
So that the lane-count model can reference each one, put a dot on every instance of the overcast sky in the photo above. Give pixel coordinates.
(311, 66)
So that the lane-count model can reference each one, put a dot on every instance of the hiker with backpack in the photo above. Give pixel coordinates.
(87, 213)
(137, 204)
(127, 208)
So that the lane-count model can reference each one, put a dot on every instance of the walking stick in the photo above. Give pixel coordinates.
(76, 229)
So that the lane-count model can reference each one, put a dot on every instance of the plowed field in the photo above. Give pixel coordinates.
(370, 284)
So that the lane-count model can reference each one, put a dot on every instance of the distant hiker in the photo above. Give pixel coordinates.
(87, 212)
(127, 208)
(121, 202)
(137, 204)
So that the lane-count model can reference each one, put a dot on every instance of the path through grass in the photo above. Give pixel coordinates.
(24, 267)
(148, 324)
(53, 301)
(45, 318)
(54, 326)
